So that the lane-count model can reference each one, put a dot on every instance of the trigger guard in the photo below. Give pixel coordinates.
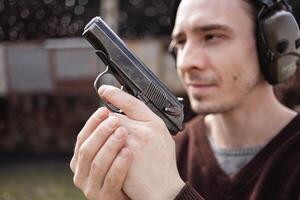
(103, 56)
(102, 101)
(97, 80)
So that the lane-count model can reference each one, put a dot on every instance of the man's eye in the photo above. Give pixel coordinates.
(179, 43)
(213, 37)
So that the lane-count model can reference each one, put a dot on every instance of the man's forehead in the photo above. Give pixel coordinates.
(209, 11)
(207, 2)
(214, 5)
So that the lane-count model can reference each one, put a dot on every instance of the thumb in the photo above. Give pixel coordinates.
(130, 105)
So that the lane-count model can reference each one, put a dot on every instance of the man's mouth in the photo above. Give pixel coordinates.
(200, 88)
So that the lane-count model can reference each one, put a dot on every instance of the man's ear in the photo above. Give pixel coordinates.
(172, 49)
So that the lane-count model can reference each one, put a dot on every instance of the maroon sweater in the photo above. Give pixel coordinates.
(274, 173)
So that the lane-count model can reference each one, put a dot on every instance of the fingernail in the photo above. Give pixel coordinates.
(124, 152)
(99, 113)
(111, 114)
(113, 121)
(101, 89)
(119, 134)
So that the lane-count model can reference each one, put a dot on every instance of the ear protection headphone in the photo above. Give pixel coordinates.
(278, 40)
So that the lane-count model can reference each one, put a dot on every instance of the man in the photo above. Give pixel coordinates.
(132, 156)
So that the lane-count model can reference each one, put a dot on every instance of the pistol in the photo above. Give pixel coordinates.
(133, 75)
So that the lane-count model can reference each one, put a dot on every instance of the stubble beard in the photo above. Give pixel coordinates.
(223, 104)
(204, 107)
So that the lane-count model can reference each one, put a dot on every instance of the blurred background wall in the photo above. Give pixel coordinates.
(47, 69)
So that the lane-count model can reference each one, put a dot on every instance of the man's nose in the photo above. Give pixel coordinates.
(191, 57)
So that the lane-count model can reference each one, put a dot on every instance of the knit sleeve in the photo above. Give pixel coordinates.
(188, 193)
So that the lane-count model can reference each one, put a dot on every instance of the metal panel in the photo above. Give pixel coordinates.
(28, 68)
(153, 54)
(76, 64)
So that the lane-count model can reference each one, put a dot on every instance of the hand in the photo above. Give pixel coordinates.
(100, 161)
(153, 172)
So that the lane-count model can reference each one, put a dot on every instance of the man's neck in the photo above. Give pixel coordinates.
(253, 123)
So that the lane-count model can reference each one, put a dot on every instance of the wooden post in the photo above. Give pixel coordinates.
(110, 13)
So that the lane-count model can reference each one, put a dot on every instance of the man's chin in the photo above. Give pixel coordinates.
(199, 105)
(205, 108)
(201, 108)
(204, 111)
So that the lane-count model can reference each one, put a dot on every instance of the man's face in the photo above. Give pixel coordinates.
(216, 53)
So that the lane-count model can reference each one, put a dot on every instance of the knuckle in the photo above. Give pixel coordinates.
(77, 182)
(73, 165)
(119, 170)
(111, 183)
(144, 138)
(115, 142)
(97, 168)
(110, 125)
(110, 147)
(112, 144)
(79, 137)
(107, 129)
(84, 152)
(89, 193)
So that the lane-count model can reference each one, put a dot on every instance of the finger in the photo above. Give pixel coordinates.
(131, 106)
(116, 175)
(86, 131)
(140, 129)
(105, 157)
(87, 151)
(101, 133)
